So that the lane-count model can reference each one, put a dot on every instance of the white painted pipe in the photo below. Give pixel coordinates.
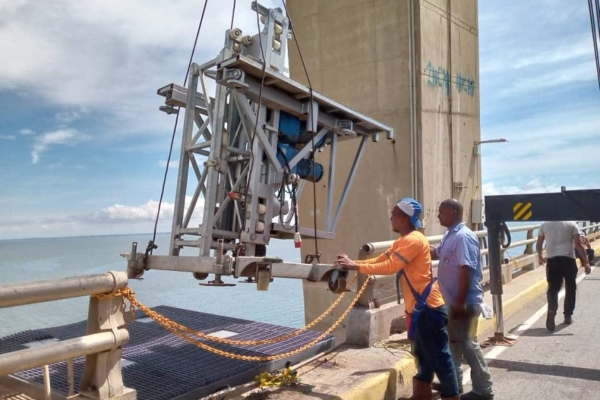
(70, 377)
(22, 360)
(47, 385)
(17, 294)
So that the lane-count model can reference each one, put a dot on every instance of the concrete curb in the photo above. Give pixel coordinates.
(386, 384)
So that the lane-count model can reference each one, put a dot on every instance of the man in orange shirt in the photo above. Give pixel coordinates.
(410, 258)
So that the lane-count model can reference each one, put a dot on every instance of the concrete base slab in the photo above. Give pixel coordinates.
(376, 373)
(368, 326)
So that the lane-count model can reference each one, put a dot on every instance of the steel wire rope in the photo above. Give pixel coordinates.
(598, 25)
(593, 24)
(314, 150)
(232, 15)
(151, 245)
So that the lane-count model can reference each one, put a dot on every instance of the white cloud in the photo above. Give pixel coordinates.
(123, 213)
(561, 142)
(7, 137)
(8, 8)
(115, 219)
(108, 55)
(582, 71)
(144, 212)
(66, 117)
(532, 186)
(524, 58)
(59, 137)
(26, 132)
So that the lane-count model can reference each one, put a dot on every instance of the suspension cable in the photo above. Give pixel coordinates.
(314, 150)
(151, 244)
(232, 15)
(591, 9)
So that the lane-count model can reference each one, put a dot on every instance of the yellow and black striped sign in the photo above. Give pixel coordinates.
(522, 212)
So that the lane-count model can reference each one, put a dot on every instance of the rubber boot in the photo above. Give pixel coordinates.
(421, 390)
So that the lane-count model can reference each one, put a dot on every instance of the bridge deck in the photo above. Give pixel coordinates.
(563, 364)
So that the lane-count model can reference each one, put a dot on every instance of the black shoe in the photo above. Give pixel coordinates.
(438, 387)
(550, 325)
(568, 320)
(475, 396)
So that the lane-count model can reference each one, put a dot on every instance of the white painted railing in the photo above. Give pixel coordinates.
(102, 345)
(383, 288)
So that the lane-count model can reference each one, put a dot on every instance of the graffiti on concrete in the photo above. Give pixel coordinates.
(440, 77)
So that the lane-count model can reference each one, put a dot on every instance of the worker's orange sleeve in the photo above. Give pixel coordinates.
(380, 258)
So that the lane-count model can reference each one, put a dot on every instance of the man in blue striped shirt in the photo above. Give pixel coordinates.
(459, 275)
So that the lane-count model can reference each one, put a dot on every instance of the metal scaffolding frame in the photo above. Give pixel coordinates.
(232, 143)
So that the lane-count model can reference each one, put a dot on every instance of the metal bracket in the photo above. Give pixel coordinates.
(244, 264)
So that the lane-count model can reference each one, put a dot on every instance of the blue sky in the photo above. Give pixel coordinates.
(83, 146)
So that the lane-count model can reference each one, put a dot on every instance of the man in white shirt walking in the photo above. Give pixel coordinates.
(562, 238)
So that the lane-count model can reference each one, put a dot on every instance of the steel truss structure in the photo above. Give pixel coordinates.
(251, 150)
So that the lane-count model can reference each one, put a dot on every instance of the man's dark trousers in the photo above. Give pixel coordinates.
(557, 269)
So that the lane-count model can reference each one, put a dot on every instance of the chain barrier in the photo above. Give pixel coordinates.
(183, 331)
(162, 320)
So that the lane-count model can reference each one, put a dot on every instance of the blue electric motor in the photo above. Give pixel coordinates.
(290, 135)
(304, 168)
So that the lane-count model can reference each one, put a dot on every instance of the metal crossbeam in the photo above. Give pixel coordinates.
(568, 205)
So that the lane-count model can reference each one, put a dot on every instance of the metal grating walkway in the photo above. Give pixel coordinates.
(160, 365)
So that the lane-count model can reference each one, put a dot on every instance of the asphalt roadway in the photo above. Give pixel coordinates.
(561, 365)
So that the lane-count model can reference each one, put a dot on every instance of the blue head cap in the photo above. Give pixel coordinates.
(413, 209)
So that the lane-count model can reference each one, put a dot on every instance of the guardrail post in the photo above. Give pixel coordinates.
(529, 247)
(102, 378)
(367, 297)
(495, 252)
(507, 266)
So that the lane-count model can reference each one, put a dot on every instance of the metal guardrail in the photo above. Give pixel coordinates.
(383, 287)
(102, 345)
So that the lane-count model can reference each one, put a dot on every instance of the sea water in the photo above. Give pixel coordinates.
(41, 259)
(27, 260)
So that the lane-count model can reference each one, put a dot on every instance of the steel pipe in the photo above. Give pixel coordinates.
(18, 294)
(23, 360)
(373, 247)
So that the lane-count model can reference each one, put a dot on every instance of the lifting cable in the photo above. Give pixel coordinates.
(595, 40)
(151, 243)
(317, 255)
(232, 15)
